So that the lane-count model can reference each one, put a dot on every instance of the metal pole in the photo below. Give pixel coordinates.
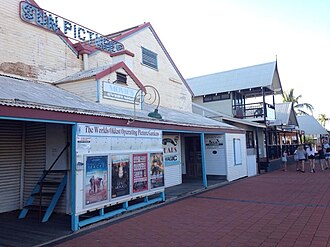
(203, 160)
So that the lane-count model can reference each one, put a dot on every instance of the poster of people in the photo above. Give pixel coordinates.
(96, 179)
(140, 172)
(120, 175)
(156, 170)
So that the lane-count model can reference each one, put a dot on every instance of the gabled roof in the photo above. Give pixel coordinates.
(285, 114)
(257, 76)
(23, 94)
(124, 34)
(100, 72)
(310, 125)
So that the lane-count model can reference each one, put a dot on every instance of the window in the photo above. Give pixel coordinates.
(216, 97)
(149, 58)
(122, 78)
(249, 139)
(237, 152)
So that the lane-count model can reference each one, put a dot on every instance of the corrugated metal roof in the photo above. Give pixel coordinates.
(310, 125)
(283, 111)
(238, 79)
(28, 94)
(84, 74)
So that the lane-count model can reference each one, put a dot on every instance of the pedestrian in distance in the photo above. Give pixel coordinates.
(321, 158)
(301, 155)
(284, 160)
(310, 150)
(326, 149)
(295, 157)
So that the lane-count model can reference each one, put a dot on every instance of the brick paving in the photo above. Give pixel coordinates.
(273, 209)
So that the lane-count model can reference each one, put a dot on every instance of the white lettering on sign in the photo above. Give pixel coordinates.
(120, 93)
(63, 27)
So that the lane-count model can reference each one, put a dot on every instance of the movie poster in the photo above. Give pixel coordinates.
(156, 170)
(140, 172)
(120, 175)
(96, 179)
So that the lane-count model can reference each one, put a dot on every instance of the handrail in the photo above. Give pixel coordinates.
(41, 181)
(50, 168)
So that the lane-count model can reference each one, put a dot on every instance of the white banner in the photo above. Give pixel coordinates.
(115, 131)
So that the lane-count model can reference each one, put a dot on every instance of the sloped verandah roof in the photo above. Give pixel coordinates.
(248, 80)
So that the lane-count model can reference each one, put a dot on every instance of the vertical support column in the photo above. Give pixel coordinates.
(74, 218)
(257, 151)
(203, 160)
(98, 91)
(264, 104)
(21, 191)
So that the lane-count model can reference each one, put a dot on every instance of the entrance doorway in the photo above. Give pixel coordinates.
(193, 157)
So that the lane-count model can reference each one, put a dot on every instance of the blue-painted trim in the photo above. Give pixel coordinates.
(74, 218)
(98, 92)
(203, 160)
(36, 120)
(125, 208)
(55, 199)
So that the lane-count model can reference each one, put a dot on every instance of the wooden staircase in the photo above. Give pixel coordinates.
(46, 192)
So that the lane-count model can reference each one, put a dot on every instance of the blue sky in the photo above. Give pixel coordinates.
(210, 36)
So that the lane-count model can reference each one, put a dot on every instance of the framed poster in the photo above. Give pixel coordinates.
(156, 170)
(140, 172)
(120, 165)
(96, 179)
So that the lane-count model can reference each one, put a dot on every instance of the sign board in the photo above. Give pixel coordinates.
(63, 27)
(171, 148)
(119, 93)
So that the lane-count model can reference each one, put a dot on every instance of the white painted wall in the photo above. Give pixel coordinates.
(28, 51)
(173, 92)
(223, 106)
(215, 155)
(235, 171)
(251, 165)
(56, 140)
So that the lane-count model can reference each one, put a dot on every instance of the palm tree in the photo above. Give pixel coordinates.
(323, 119)
(298, 107)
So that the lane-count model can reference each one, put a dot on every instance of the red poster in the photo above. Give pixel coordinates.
(140, 172)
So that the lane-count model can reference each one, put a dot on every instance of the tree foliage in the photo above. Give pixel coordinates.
(299, 108)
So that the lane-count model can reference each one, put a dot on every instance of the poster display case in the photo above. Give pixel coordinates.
(116, 165)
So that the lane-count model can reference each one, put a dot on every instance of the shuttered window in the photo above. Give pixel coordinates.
(149, 58)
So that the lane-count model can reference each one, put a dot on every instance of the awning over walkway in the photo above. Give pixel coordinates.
(23, 98)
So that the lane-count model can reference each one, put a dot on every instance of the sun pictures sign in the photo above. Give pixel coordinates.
(63, 27)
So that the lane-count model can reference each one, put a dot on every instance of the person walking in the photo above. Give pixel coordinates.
(326, 149)
(284, 160)
(301, 155)
(321, 158)
(310, 150)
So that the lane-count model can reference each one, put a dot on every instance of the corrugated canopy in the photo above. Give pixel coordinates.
(285, 114)
(310, 125)
(28, 94)
(262, 75)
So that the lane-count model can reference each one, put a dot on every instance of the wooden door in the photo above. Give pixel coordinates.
(193, 157)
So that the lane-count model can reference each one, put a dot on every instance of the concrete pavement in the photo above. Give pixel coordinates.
(273, 209)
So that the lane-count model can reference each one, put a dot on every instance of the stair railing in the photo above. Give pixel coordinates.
(45, 175)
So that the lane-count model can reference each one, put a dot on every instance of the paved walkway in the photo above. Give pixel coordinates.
(273, 209)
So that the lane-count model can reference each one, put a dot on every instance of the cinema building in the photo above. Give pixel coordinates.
(95, 125)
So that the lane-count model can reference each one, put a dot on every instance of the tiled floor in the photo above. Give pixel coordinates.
(274, 209)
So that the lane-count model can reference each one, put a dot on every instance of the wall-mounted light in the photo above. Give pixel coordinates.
(148, 95)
